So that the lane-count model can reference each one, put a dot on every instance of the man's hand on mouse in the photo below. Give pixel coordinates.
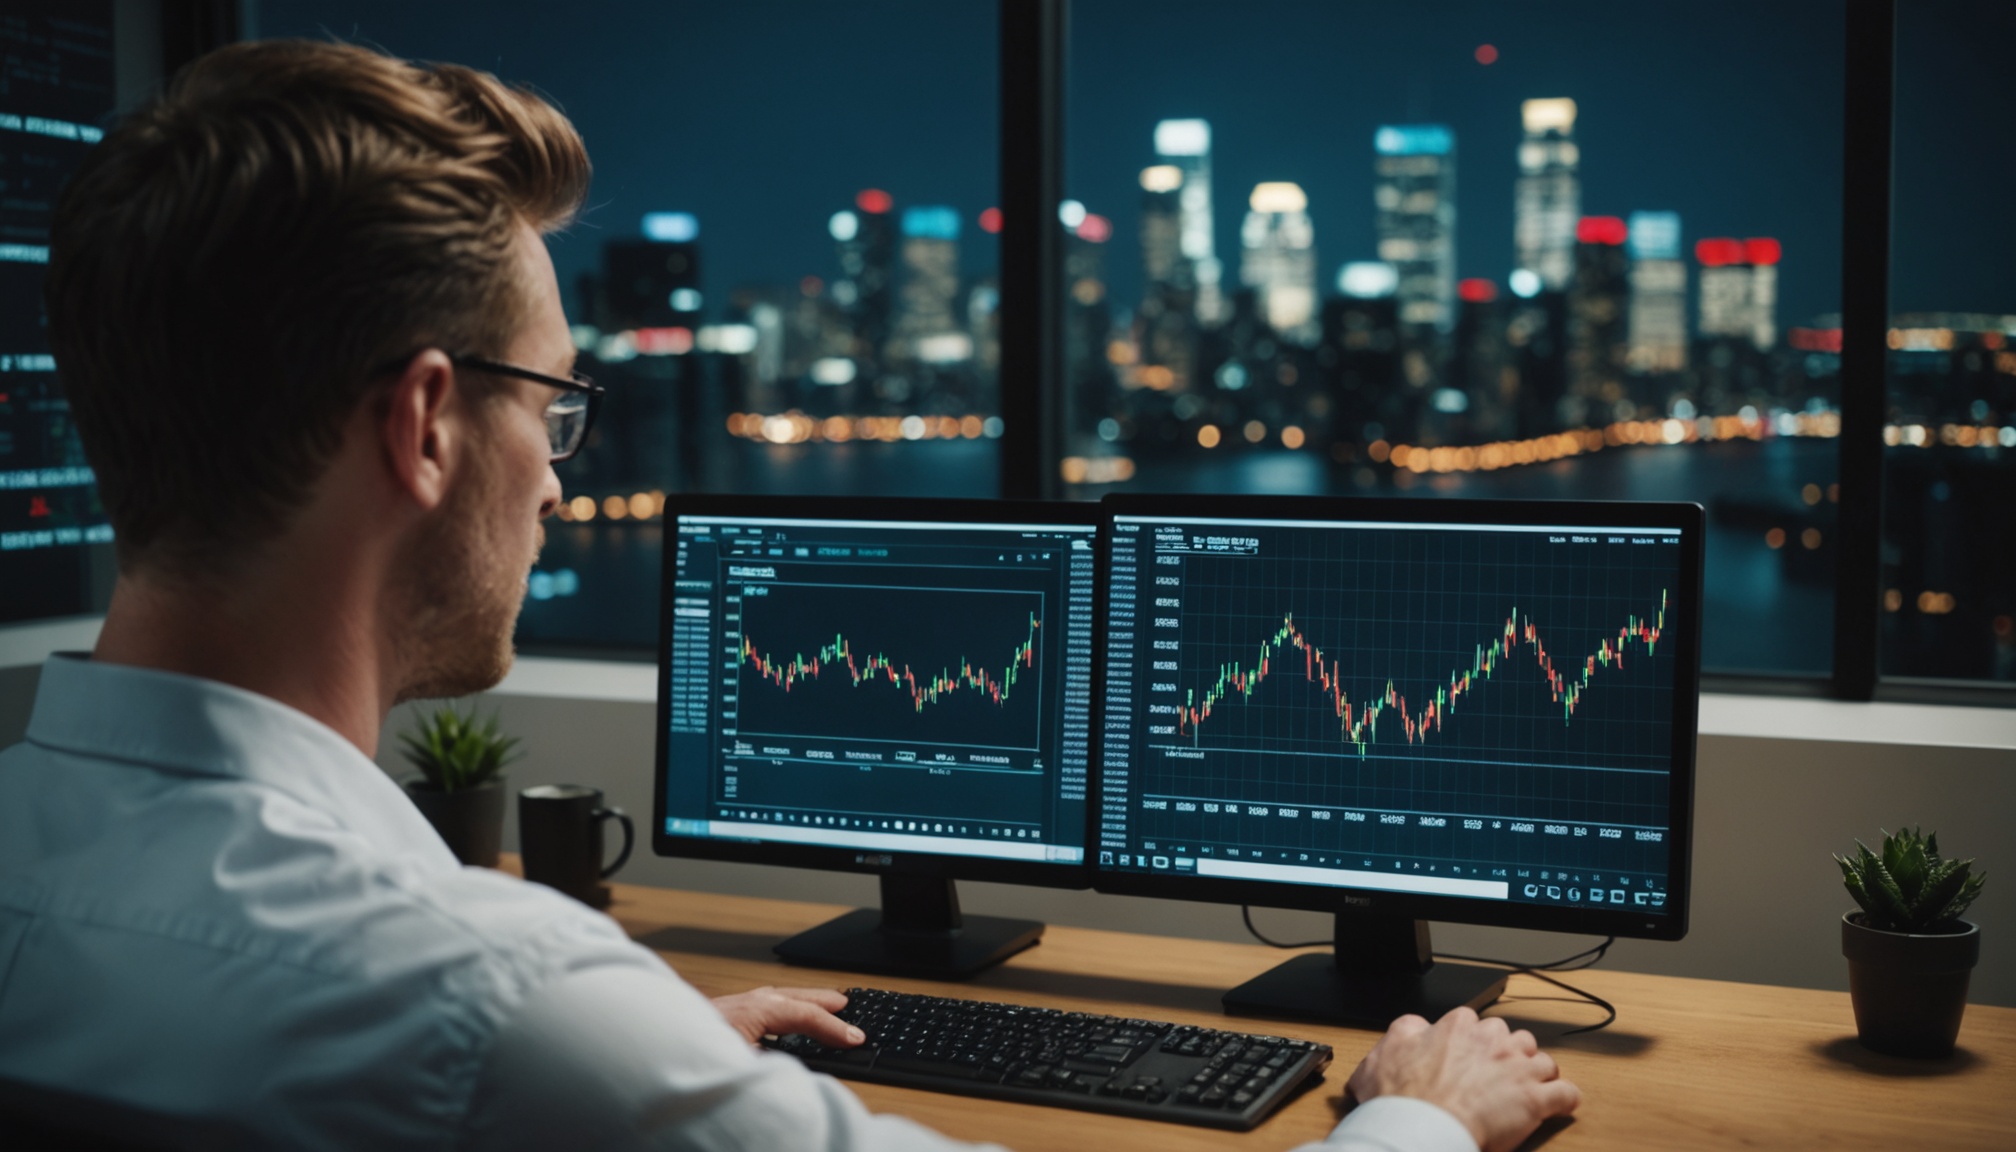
(768, 1011)
(1495, 1081)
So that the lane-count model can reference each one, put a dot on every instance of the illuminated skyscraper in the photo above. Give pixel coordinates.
(866, 238)
(1186, 145)
(1763, 253)
(1415, 193)
(928, 326)
(1088, 319)
(653, 283)
(1278, 259)
(1548, 197)
(1596, 321)
(1166, 323)
(1739, 289)
(1358, 357)
(1658, 316)
(1480, 385)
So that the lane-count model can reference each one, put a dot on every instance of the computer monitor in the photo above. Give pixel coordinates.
(1400, 711)
(67, 67)
(902, 687)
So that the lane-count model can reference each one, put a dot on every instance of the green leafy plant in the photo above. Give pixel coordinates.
(1909, 887)
(456, 752)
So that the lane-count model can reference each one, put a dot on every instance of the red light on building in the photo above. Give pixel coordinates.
(1719, 251)
(1815, 339)
(1476, 291)
(990, 220)
(1095, 229)
(1601, 230)
(1761, 250)
(664, 341)
(873, 200)
(1486, 54)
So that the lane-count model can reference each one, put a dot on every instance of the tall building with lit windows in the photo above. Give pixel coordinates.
(1596, 321)
(1358, 357)
(1165, 324)
(1186, 146)
(1548, 196)
(1739, 290)
(1657, 326)
(1278, 259)
(928, 325)
(865, 236)
(1763, 253)
(1414, 192)
(1088, 320)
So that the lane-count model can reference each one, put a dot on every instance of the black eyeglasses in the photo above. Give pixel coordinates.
(571, 413)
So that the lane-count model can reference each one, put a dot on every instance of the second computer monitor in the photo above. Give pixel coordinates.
(1402, 711)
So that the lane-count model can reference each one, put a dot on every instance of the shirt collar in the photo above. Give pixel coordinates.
(165, 721)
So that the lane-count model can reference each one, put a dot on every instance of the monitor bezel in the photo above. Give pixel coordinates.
(831, 858)
(1347, 901)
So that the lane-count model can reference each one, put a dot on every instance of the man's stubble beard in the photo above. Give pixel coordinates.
(463, 594)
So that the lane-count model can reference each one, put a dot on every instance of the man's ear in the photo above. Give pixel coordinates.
(417, 428)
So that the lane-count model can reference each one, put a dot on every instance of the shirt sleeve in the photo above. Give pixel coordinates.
(618, 1057)
(1396, 1124)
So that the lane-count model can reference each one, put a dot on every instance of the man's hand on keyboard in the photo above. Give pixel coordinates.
(1495, 1081)
(771, 1011)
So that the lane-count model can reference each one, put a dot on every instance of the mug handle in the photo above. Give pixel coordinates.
(629, 837)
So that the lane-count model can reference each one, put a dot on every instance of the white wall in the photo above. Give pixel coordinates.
(1769, 810)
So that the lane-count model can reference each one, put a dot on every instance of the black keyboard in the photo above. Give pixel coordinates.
(1145, 1068)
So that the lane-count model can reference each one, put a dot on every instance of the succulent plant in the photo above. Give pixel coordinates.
(455, 752)
(1909, 888)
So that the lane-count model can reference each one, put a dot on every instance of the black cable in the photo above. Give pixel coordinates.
(1571, 963)
(1246, 913)
(1565, 964)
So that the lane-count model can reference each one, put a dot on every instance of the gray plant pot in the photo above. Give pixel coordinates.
(1909, 989)
(471, 822)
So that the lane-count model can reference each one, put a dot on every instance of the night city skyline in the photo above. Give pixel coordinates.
(906, 100)
(1541, 250)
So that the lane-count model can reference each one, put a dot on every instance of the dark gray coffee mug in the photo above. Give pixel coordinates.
(560, 838)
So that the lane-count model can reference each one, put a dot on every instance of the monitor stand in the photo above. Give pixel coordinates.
(918, 931)
(1383, 968)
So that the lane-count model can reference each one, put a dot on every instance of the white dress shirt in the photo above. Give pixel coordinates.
(215, 909)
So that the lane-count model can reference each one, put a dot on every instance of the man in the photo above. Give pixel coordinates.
(313, 342)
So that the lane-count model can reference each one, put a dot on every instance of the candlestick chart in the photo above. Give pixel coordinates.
(1359, 721)
(922, 665)
(1415, 655)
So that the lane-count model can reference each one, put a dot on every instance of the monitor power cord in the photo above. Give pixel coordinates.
(1583, 959)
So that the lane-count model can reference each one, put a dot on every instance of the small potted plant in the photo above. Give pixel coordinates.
(1909, 953)
(461, 789)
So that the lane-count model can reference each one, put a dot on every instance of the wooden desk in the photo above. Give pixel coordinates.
(1689, 1064)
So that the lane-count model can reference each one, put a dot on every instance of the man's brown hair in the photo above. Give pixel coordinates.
(231, 266)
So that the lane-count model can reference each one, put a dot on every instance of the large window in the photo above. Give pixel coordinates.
(786, 272)
(1950, 426)
(1526, 249)
(1580, 250)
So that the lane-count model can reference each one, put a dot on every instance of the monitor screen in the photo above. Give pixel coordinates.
(853, 684)
(58, 75)
(1459, 711)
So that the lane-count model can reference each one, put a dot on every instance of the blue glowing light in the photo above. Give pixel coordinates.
(1414, 140)
(934, 222)
(1655, 236)
(671, 227)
